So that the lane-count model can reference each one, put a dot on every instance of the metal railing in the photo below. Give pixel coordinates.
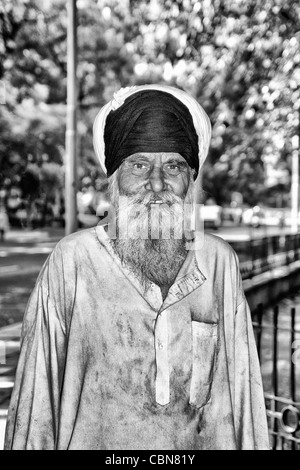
(8, 364)
(267, 253)
(283, 412)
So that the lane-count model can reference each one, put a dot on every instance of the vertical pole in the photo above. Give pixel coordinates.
(295, 183)
(274, 374)
(293, 375)
(292, 371)
(71, 132)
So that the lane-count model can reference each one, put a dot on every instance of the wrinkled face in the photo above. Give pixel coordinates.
(154, 172)
(151, 193)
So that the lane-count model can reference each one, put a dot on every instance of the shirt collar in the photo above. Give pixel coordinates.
(189, 277)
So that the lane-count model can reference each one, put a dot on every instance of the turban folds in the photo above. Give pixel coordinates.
(150, 121)
(133, 122)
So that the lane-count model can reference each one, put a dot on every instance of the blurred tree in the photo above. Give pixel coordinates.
(240, 58)
(52, 183)
(30, 182)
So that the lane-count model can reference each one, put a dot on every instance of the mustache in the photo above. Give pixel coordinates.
(148, 198)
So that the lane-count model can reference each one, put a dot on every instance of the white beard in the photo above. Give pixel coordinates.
(150, 237)
(156, 261)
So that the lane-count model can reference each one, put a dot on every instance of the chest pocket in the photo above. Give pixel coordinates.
(204, 356)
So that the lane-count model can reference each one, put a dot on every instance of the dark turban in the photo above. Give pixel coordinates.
(150, 121)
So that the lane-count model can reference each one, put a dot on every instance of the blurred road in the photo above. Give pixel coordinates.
(243, 233)
(22, 255)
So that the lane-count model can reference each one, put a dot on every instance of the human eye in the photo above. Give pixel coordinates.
(139, 168)
(174, 168)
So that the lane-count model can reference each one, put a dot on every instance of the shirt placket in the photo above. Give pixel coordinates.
(179, 290)
(162, 382)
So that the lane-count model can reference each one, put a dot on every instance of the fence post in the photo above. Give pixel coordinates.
(293, 377)
(274, 373)
(292, 371)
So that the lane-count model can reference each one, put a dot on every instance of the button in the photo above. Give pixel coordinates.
(160, 345)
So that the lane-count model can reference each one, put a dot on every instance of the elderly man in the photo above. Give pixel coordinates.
(137, 334)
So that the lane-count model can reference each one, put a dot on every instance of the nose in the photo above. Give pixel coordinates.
(156, 180)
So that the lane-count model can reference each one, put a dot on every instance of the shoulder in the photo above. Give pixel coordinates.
(214, 244)
(80, 239)
(71, 253)
(74, 248)
(219, 255)
(220, 259)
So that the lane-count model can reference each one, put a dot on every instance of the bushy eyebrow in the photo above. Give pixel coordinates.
(176, 160)
(138, 158)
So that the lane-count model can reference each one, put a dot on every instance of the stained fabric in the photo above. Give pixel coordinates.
(106, 364)
(150, 121)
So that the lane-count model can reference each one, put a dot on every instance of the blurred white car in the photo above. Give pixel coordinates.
(212, 215)
(254, 216)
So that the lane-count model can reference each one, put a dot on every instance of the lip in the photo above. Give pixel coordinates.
(157, 201)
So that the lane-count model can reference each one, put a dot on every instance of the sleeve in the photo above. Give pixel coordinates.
(249, 405)
(33, 413)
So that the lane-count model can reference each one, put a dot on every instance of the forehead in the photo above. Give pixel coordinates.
(162, 157)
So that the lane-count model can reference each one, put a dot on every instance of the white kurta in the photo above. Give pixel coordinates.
(106, 365)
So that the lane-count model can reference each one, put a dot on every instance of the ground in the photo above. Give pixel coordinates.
(22, 255)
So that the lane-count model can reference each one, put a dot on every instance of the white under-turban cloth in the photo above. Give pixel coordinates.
(199, 117)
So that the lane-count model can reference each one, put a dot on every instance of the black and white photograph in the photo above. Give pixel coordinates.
(149, 227)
